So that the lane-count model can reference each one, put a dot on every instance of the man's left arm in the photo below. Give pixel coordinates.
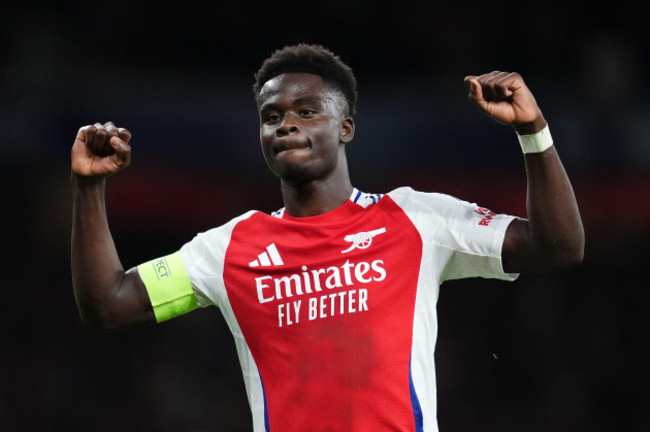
(552, 238)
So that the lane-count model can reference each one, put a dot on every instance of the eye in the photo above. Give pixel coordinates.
(307, 112)
(271, 118)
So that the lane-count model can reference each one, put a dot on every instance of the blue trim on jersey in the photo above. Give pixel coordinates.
(415, 402)
(356, 198)
(266, 411)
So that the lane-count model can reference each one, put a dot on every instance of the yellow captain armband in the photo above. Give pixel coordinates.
(169, 287)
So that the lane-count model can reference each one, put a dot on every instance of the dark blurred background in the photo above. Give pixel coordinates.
(560, 352)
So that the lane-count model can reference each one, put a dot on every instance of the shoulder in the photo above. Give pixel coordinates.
(205, 252)
(224, 231)
(411, 200)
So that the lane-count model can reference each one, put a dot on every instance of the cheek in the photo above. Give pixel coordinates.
(266, 137)
(329, 131)
(265, 144)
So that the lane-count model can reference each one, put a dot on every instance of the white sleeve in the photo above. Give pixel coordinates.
(204, 257)
(469, 238)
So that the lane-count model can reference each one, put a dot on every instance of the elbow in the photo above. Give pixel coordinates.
(114, 309)
(576, 249)
(98, 322)
(98, 316)
(567, 257)
(568, 261)
(580, 254)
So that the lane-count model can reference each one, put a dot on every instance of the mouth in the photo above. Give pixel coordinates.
(290, 145)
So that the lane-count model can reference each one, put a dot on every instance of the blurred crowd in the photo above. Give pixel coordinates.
(546, 353)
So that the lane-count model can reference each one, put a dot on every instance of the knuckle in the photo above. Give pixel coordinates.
(87, 130)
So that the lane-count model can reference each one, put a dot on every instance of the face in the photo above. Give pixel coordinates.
(303, 127)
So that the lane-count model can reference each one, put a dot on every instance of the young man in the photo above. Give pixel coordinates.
(331, 300)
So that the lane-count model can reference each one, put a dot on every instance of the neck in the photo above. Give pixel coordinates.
(316, 197)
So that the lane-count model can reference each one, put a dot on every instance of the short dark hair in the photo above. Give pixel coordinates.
(314, 59)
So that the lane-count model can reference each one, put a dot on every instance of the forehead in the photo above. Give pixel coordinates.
(294, 86)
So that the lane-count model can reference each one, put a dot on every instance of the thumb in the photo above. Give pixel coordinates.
(473, 87)
(122, 150)
(475, 91)
(470, 83)
(119, 145)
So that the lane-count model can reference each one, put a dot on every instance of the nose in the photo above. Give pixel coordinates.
(287, 127)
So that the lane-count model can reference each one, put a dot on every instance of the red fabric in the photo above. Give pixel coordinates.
(342, 371)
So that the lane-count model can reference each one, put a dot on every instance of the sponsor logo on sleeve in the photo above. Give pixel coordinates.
(486, 216)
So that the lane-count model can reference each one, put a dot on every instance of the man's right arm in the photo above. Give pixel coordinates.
(108, 298)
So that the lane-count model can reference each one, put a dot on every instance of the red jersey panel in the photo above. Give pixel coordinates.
(326, 306)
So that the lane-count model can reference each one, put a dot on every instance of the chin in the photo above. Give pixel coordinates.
(295, 174)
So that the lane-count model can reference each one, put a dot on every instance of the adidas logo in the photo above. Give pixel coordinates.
(269, 258)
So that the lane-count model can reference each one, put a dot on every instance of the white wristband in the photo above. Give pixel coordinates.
(536, 143)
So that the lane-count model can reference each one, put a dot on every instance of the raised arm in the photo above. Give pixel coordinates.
(108, 298)
(552, 238)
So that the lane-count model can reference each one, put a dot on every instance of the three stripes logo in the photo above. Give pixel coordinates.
(268, 258)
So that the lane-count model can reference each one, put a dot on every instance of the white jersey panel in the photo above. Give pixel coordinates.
(470, 236)
(204, 258)
(455, 245)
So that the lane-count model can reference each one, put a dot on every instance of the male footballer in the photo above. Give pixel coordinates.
(331, 300)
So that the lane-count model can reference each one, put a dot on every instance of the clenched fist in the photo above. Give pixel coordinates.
(100, 150)
(504, 97)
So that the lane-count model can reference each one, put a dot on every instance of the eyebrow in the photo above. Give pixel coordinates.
(270, 105)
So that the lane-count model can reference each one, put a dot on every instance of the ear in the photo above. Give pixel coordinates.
(347, 130)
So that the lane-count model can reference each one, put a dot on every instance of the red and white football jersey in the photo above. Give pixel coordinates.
(334, 316)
